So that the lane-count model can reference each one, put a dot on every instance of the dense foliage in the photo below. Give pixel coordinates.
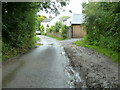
(102, 24)
(42, 29)
(40, 18)
(59, 27)
(64, 30)
(19, 25)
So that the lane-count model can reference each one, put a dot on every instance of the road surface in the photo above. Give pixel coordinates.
(41, 67)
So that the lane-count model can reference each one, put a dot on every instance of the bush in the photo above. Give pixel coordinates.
(51, 29)
(64, 30)
(59, 27)
(5, 48)
(18, 27)
(42, 29)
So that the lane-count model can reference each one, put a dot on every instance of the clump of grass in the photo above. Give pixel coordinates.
(55, 37)
(38, 44)
(9, 52)
(105, 51)
(12, 53)
(36, 38)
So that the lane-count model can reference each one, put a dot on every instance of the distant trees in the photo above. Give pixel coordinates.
(102, 24)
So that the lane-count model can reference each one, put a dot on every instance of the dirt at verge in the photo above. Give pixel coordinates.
(97, 70)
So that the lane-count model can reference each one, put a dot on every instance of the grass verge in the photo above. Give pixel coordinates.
(0, 49)
(55, 37)
(38, 44)
(15, 51)
(107, 52)
(36, 38)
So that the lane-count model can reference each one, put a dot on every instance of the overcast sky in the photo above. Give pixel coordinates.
(74, 5)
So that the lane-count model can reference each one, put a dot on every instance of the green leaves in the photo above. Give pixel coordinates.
(59, 27)
(64, 30)
(102, 24)
(42, 29)
(41, 18)
(18, 27)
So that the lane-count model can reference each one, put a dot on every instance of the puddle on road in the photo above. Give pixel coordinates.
(73, 78)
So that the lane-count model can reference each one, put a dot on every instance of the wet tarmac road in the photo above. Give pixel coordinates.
(41, 67)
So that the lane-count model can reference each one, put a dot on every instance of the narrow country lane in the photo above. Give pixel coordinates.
(41, 67)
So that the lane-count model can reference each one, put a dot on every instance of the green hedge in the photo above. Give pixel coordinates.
(102, 24)
(18, 27)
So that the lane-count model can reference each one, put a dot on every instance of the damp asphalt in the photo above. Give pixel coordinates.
(41, 67)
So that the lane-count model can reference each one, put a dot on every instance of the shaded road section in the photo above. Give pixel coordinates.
(41, 67)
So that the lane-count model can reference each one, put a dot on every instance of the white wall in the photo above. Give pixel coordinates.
(45, 26)
(68, 22)
(56, 19)
(52, 22)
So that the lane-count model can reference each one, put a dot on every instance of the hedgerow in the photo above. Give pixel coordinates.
(102, 24)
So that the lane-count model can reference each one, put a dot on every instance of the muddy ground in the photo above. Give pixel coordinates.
(97, 70)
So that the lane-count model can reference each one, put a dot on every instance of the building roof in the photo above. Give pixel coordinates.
(47, 20)
(64, 18)
(77, 19)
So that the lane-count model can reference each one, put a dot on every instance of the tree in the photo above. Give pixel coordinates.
(41, 18)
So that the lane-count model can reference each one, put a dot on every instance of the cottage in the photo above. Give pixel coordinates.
(77, 27)
(51, 21)
(66, 20)
(46, 23)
